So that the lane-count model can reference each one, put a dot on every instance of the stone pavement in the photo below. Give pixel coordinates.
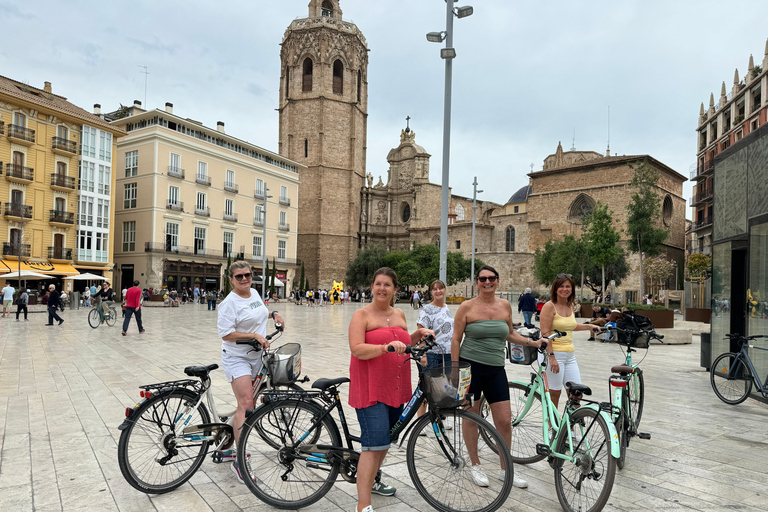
(63, 392)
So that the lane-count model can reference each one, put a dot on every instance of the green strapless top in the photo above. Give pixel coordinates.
(484, 342)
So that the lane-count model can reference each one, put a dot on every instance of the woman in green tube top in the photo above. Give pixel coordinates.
(485, 324)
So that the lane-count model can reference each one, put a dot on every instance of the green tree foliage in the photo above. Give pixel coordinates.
(360, 270)
(266, 278)
(272, 279)
(699, 265)
(227, 283)
(600, 238)
(643, 214)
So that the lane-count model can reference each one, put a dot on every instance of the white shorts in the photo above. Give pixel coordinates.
(236, 366)
(569, 370)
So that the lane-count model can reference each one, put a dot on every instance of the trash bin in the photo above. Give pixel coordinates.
(706, 350)
(74, 302)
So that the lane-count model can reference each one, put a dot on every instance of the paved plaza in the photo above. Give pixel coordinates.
(63, 393)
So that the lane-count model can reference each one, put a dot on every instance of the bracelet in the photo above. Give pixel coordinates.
(273, 315)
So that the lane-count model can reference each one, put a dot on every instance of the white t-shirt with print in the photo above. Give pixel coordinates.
(238, 314)
(439, 320)
(8, 292)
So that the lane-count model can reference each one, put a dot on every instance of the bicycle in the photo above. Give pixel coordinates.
(96, 316)
(732, 374)
(165, 437)
(581, 446)
(292, 449)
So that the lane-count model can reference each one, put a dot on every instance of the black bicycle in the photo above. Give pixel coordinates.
(292, 449)
(732, 374)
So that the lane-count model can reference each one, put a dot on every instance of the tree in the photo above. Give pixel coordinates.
(227, 282)
(657, 270)
(600, 238)
(615, 271)
(301, 279)
(699, 265)
(272, 280)
(265, 284)
(643, 209)
(360, 270)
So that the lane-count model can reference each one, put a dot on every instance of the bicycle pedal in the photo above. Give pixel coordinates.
(543, 449)
(643, 435)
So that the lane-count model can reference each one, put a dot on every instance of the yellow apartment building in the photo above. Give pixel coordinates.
(190, 196)
(40, 146)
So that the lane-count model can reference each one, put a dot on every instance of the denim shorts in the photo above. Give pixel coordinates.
(375, 422)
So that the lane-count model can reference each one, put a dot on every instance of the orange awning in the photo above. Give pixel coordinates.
(42, 267)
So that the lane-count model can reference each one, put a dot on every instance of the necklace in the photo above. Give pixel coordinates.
(383, 315)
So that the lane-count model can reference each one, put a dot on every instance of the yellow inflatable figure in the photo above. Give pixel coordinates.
(337, 287)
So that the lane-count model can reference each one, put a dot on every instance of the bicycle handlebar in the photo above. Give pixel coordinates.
(740, 337)
(651, 334)
(255, 343)
(418, 352)
(551, 337)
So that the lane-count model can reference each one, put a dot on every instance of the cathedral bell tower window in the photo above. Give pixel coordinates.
(326, 9)
(338, 77)
(306, 84)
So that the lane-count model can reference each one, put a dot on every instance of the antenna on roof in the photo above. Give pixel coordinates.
(608, 149)
(573, 144)
(145, 85)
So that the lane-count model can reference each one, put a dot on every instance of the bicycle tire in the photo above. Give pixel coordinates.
(264, 469)
(447, 486)
(577, 485)
(636, 397)
(149, 438)
(622, 429)
(94, 318)
(257, 402)
(111, 319)
(527, 433)
(728, 379)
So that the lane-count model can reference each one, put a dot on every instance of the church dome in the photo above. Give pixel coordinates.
(521, 195)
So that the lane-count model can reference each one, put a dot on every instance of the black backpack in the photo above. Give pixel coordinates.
(633, 321)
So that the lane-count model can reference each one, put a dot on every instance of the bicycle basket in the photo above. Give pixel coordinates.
(285, 364)
(632, 321)
(447, 385)
(523, 354)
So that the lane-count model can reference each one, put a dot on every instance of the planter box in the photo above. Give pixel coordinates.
(586, 310)
(698, 315)
(660, 318)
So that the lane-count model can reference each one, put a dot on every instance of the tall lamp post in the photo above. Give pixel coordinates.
(448, 54)
(264, 242)
(474, 209)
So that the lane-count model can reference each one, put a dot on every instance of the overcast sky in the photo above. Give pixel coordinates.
(527, 73)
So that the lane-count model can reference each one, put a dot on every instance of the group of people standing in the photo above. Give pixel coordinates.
(320, 297)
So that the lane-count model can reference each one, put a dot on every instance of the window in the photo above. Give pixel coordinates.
(131, 163)
(86, 211)
(281, 250)
(84, 240)
(287, 82)
(458, 244)
(173, 195)
(580, 208)
(459, 212)
(105, 177)
(359, 85)
(88, 143)
(202, 170)
(15, 237)
(229, 242)
(338, 77)
(171, 236)
(130, 196)
(667, 209)
(107, 146)
(102, 213)
(306, 79)
(283, 220)
(436, 240)
(101, 251)
(102, 144)
(199, 240)
(510, 246)
(284, 194)
(175, 163)
(60, 204)
(87, 173)
(257, 247)
(129, 236)
(230, 181)
(229, 207)
(260, 188)
(405, 212)
(19, 119)
(62, 132)
(200, 205)
(306, 148)
(17, 198)
(259, 215)
(326, 9)
(517, 209)
(61, 168)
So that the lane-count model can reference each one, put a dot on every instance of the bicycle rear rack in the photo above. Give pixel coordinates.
(194, 385)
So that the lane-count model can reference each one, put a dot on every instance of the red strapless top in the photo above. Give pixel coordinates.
(386, 378)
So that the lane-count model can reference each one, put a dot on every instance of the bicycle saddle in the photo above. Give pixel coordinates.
(200, 371)
(323, 384)
(578, 387)
(623, 370)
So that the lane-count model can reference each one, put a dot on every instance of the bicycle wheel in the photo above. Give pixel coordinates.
(440, 467)
(731, 379)
(636, 397)
(585, 484)
(622, 429)
(94, 319)
(111, 319)
(152, 438)
(278, 476)
(527, 432)
(275, 442)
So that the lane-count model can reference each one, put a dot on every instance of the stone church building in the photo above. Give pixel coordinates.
(323, 120)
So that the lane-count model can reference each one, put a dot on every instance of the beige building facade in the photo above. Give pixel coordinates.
(191, 196)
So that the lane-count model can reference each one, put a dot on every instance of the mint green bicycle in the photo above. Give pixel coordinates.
(96, 316)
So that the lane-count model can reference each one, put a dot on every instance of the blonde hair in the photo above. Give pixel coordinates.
(238, 264)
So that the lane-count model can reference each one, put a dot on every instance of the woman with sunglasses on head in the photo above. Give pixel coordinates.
(558, 314)
(242, 316)
(485, 325)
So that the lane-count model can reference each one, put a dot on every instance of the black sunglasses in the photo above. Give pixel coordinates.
(241, 277)
(561, 276)
(490, 279)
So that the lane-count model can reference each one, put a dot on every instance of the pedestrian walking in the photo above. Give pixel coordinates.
(212, 300)
(87, 298)
(416, 300)
(8, 292)
(133, 307)
(21, 304)
(53, 305)
(527, 305)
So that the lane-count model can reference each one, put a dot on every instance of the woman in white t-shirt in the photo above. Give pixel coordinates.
(242, 316)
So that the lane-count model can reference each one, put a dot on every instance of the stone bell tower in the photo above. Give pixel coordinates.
(323, 124)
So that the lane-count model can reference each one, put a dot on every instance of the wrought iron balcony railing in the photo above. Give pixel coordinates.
(61, 217)
(14, 249)
(63, 181)
(19, 132)
(175, 172)
(64, 145)
(19, 172)
(59, 253)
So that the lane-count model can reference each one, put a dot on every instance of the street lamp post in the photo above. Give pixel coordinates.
(264, 242)
(448, 54)
(474, 209)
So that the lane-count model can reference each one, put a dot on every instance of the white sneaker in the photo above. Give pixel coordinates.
(369, 508)
(516, 481)
(478, 475)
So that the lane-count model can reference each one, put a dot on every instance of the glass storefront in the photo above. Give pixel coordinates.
(757, 320)
(721, 298)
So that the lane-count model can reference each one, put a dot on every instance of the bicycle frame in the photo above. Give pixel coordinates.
(743, 355)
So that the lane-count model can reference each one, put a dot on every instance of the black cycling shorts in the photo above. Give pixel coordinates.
(491, 381)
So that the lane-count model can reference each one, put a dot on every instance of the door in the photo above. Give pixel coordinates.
(58, 246)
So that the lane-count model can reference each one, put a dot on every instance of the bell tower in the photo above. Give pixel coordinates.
(323, 124)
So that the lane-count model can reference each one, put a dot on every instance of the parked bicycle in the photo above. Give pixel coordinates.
(166, 436)
(96, 316)
(292, 449)
(581, 446)
(732, 374)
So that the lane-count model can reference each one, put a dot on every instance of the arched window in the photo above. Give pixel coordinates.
(287, 82)
(510, 246)
(326, 9)
(306, 83)
(338, 77)
(459, 212)
(667, 210)
(580, 208)
(436, 240)
(359, 85)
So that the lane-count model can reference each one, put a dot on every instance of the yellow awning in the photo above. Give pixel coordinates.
(4, 268)
(42, 267)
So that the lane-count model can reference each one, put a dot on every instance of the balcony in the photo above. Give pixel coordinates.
(230, 217)
(703, 222)
(285, 201)
(59, 253)
(231, 187)
(284, 227)
(16, 250)
(63, 182)
(203, 212)
(62, 219)
(2, 127)
(63, 146)
(17, 211)
(176, 206)
(22, 135)
(701, 196)
(203, 180)
(175, 172)
(183, 250)
(258, 193)
(19, 173)
(259, 222)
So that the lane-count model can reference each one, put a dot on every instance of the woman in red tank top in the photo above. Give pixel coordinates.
(380, 380)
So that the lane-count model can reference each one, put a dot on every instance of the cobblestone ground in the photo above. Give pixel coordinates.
(63, 392)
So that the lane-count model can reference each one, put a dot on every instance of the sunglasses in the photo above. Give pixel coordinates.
(561, 276)
(490, 279)
(241, 277)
